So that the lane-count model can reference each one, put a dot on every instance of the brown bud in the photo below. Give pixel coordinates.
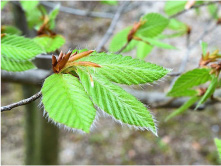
(80, 55)
(85, 63)
(54, 61)
(218, 21)
(133, 31)
(60, 56)
(74, 54)
(188, 31)
(64, 60)
(201, 91)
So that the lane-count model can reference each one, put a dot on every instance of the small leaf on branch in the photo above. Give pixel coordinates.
(143, 50)
(153, 26)
(174, 7)
(188, 80)
(209, 92)
(50, 43)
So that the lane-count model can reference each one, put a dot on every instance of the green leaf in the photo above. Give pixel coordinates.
(204, 46)
(111, 2)
(10, 30)
(188, 80)
(143, 50)
(120, 39)
(183, 108)
(177, 25)
(124, 69)
(52, 16)
(158, 43)
(3, 3)
(50, 44)
(29, 5)
(116, 102)
(19, 47)
(9, 64)
(33, 14)
(209, 91)
(174, 7)
(131, 45)
(212, 8)
(154, 25)
(66, 102)
(218, 145)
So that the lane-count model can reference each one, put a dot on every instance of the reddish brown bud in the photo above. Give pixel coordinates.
(133, 31)
(60, 56)
(80, 55)
(54, 61)
(85, 63)
(64, 60)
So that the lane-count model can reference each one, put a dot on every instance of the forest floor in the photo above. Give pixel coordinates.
(186, 139)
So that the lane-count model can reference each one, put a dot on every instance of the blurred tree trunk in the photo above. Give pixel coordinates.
(41, 137)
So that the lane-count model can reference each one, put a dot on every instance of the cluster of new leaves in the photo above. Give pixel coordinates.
(218, 145)
(69, 96)
(17, 52)
(144, 37)
(44, 23)
(183, 87)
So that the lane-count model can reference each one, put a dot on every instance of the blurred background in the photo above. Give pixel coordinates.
(28, 138)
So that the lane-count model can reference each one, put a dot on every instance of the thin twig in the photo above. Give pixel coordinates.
(78, 11)
(112, 26)
(22, 102)
(193, 7)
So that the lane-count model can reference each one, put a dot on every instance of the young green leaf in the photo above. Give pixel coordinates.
(183, 108)
(120, 39)
(157, 43)
(188, 80)
(9, 64)
(143, 50)
(209, 91)
(32, 13)
(116, 102)
(218, 145)
(66, 102)
(52, 16)
(174, 7)
(110, 2)
(204, 46)
(180, 28)
(153, 26)
(124, 69)
(212, 8)
(10, 30)
(50, 44)
(19, 47)
(29, 6)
